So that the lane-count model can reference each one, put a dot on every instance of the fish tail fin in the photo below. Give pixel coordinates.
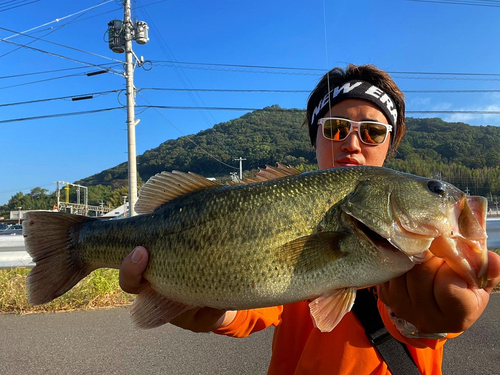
(50, 239)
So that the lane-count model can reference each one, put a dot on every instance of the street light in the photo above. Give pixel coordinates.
(19, 215)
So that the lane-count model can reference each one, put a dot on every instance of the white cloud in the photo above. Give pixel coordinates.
(487, 103)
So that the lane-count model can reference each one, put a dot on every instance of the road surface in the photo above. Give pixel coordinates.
(105, 342)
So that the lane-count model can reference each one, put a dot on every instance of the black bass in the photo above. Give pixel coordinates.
(319, 235)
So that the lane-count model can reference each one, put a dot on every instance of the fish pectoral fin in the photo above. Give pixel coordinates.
(328, 309)
(313, 251)
(150, 309)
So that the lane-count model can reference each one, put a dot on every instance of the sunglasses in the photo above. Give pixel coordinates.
(369, 132)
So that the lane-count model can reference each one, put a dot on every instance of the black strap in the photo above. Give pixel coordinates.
(394, 352)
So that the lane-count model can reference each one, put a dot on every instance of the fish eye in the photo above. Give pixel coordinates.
(437, 187)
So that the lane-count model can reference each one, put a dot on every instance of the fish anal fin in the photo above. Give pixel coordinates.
(328, 309)
(150, 309)
(166, 186)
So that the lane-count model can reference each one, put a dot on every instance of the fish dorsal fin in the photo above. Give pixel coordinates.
(166, 186)
(272, 173)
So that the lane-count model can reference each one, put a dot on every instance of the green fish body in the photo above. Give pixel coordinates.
(318, 235)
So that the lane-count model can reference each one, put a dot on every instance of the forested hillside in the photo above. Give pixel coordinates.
(467, 156)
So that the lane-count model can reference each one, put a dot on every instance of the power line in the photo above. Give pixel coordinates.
(18, 5)
(460, 112)
(59, 19)
(60, 115)
(456, 2)
(60, 98)
(64, 46)
(42, 80)
(60, 56)
(189, 138)
(241, 91)
(51, 31)
(160, 62)
(313, 69)
(23, 189)
(181, 75)
(53, 71)
(100, 14)
(239, 65)
(209, 108)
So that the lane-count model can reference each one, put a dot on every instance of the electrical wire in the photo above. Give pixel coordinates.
(181, 75)
(187, 136)
(51, 31)
(18, 5)
(456, 2)
(315, 69)
(42, 80)
(60, 98)
(60, 115)
(211, 109)
(54, 71)
(59, 19)
(162, 63)
(241, 91)
(23, 189)
(64, 46)
(61, 56)
(460, 112)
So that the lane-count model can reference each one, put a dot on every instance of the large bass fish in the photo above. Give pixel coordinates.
(319, 235)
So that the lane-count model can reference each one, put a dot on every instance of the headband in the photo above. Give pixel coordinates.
(354, 90)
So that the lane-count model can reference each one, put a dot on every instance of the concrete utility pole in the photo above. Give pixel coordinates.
(131, 123)
(120, 37)
(241, 167)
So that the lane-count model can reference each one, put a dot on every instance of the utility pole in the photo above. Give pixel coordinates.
(129, 75)
(241, 167)
(120, 36)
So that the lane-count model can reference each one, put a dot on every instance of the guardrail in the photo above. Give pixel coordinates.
(13, 254)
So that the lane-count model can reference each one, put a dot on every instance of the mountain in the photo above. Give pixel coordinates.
(261, 137)
(465, 155)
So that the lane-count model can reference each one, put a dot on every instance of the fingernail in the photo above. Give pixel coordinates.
(137, 255)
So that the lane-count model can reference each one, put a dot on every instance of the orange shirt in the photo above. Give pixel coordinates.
(299, 348)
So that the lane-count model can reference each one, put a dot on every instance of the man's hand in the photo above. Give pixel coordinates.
(435, 299)
(201, 319)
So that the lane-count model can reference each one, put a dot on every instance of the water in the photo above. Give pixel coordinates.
(493, 231)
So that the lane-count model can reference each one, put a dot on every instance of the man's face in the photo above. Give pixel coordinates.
(351, 151)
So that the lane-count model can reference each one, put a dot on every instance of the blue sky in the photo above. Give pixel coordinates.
(402, 37)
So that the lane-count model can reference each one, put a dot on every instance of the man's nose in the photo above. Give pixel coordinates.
(351, 143)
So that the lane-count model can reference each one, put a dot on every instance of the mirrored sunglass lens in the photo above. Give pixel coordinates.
(373, 133)
(336, 130)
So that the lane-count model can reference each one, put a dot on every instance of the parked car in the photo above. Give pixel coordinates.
(3, 226)
(16, 226)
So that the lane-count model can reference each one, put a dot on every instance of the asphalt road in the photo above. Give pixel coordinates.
(105, 342)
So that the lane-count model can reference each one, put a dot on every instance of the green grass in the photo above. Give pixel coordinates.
(100, 289)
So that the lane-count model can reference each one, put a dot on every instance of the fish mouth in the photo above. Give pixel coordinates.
(384, 245)
(464, 247)
(377, 240)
